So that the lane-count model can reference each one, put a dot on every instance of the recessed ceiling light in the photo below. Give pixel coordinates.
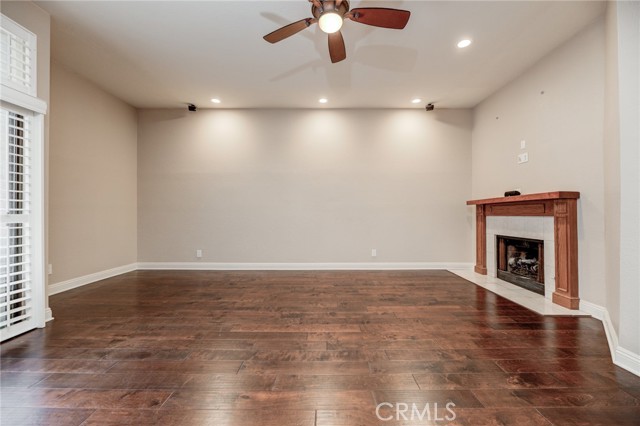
(464, 43)
(416, 101)
(323, 100)
(216, 100)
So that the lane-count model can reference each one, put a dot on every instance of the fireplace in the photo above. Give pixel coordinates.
(520, 261)
(562, 208)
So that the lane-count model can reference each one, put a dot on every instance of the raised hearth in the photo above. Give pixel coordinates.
(562, 206)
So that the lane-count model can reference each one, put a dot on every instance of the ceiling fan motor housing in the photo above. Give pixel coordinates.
(329, 6)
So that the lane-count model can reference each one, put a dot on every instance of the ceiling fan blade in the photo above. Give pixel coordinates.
(381, 17)
(337, 50)
(289, 30)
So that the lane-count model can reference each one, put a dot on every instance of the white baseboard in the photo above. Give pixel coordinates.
(628, 360)
(596, 311)
(48, 315)
(300, 266)
(88, 279)
(621, 357)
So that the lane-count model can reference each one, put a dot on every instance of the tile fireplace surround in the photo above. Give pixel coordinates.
(530, 227)
(549, 216)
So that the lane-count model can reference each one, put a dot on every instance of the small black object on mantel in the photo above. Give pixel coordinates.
(511, 193)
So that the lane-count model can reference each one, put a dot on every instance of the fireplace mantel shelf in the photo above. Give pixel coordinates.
(563, 206)
(558, 195)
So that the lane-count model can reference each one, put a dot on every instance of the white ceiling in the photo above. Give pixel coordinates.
(161, 54)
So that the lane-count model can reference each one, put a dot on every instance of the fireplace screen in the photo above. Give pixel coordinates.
(521, 262)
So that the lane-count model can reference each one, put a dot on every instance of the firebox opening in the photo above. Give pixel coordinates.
(521, 262)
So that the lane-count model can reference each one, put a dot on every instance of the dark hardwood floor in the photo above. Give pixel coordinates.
(308, 348)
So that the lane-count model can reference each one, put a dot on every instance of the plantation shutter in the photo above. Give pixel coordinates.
(22, 306)
(17, 57)
(15, 206)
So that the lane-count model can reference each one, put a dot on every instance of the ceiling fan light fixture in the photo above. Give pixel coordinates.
(330, 22)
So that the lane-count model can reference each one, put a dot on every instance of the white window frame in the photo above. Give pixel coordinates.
(34, 109)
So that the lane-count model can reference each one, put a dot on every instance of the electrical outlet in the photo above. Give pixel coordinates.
(49, 269)
(199, 253)
(374, 252)
(523, 158)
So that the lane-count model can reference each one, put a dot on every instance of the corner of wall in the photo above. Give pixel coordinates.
(620, 356)
(611, 161)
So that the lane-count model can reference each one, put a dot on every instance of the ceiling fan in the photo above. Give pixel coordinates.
(330, 14)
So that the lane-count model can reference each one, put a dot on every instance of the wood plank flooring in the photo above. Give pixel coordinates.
(310, 349)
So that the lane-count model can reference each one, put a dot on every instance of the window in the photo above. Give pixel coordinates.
(15, 241)
(17, 57)
(22, 290)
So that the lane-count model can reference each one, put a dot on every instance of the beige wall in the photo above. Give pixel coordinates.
(628, 29)
(611, 157)
(304, 186)
(563, 129)
(93, 163)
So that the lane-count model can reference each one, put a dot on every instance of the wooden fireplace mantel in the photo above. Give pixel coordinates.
(563, 206)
